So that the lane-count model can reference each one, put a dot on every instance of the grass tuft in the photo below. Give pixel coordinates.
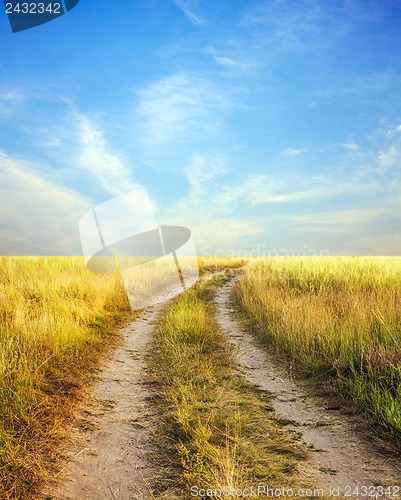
(219, 430)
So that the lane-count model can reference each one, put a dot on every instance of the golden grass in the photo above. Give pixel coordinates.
(335, 316)
(220, 263)
(221, 432)
(55, 320)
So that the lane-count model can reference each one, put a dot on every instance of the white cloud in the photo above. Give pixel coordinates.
(10, 100)
(359, 231)
(38, 216)
(233, 60)
(284, 212)
(12, 96)
(351, 146)
(252, 191)
(39, 212)
(294, 152)
(95, 156)
(200, 210)
(50, 143)
(306, 26)
(202, 171)
(261, 189)
(229, 62)
(378, 241)
(188, 6)
(395, 130)
(226, 214)
(389, 157)
(337, 222)
(76, 145)
(180, 106)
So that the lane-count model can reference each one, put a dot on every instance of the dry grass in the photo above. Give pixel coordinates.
(56, 318)
(338, 317)
(220, 263)
(221, 433)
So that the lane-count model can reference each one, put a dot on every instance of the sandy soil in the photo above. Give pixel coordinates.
(109, 461)
(338, 455)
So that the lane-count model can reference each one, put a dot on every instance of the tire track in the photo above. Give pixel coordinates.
(338, 456)
(114, 437)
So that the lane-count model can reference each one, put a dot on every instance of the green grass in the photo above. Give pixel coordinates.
(337, 318)
(217, 430)
(56, 318)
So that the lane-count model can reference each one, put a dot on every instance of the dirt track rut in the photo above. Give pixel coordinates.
(109, 461)
(338, 456)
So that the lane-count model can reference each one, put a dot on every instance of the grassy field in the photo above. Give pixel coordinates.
(56, 318)
(336, 317)
(219, 432)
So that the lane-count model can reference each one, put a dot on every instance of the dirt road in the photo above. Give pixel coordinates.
(109, 461)
(338, 456)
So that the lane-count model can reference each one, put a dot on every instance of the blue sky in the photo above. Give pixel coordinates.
(264, 126)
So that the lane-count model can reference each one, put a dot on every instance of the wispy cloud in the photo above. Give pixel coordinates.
(306, 26)
(350, 145)
(75, 145)
(364, 89)
(395, 130)
(202, 171)
(337, 222)
(377, 157)
(188, 7)
(96, 157)
(233, 59)
(12, 95)
(214, 227)
(38, 215)
(285, 212)
(354, 231)
(389, 157)
(181, 106)
(10, 100)
(294, 152)
(43, 200)
(260, 189)
(230, 63)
